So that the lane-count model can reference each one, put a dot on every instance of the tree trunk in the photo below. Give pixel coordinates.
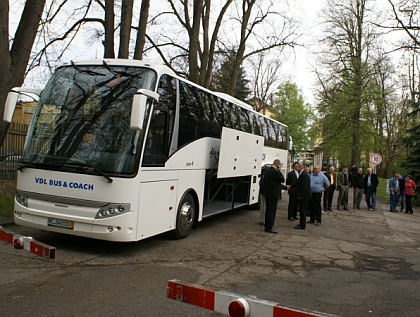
(358, 89)
(246, 13)
(14, 62)
(206, 42)
(194, 46)
(141, 32)
(212, 46)
(109, 29)
(125, 28)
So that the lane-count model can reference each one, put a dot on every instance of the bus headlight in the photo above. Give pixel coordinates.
(111, 210)
(22, 199)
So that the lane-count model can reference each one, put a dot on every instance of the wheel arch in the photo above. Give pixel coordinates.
(196, 202)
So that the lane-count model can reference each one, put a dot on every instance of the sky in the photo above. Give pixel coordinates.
(298, 69)
(296, 65)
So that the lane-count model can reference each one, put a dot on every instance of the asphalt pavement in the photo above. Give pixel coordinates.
(357, 263)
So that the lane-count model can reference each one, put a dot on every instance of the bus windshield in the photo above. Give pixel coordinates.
(82, 120)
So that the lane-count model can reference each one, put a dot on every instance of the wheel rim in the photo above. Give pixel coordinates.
(187, 215)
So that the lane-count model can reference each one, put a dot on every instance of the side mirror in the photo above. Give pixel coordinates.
(138, 107)
(12, 98)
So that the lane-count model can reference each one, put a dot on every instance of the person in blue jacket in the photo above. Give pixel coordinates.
(394, 190)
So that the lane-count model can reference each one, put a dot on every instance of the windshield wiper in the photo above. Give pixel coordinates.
(86, 166)
(68, 164)
(109, 179)
(21, 166)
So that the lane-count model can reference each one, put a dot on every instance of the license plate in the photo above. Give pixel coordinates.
(53, 222)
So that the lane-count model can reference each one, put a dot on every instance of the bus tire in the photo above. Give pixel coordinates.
(185, 217)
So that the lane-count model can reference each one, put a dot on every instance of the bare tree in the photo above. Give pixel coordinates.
(125, 28)
(257, 21)
(264, 76)
(195, 20)
(406, 14)
(109, 26)
(14, 61)
(141, 30)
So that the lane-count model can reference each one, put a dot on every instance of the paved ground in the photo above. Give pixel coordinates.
(358, 263)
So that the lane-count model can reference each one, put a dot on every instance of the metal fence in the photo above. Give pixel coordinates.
(11, 150)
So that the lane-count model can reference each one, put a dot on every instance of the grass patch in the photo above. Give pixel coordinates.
(6, 204)
(381, 190)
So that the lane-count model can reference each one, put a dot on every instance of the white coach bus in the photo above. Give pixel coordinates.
(122, 150)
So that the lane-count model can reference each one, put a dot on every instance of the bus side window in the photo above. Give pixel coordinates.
(188, 114)
(161, 126)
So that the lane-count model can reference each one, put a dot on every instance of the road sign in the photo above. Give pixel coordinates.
(376, 159)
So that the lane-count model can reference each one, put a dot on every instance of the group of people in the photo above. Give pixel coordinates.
(308, 190)
(305, 194)
(367, 185)
(305, 191)
(400, 187)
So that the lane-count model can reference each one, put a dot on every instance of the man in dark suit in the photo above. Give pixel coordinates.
(329, 192)
(291, 180)
(272, 187)
(303, 194)
(371, 183)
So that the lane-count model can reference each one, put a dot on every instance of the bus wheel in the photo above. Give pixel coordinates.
(185, 217)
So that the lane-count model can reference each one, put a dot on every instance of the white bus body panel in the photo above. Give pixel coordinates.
(200, 154)
(157, 207)
(270, 154)
(79, 204)
(240, 154)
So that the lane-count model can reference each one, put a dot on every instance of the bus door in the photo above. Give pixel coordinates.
(157, 206)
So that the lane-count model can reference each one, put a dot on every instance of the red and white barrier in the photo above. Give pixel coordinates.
(27, 243)
(232, 304)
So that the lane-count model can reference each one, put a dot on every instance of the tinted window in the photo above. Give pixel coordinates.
(203, 115)
(161, 126)
(200, 114)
